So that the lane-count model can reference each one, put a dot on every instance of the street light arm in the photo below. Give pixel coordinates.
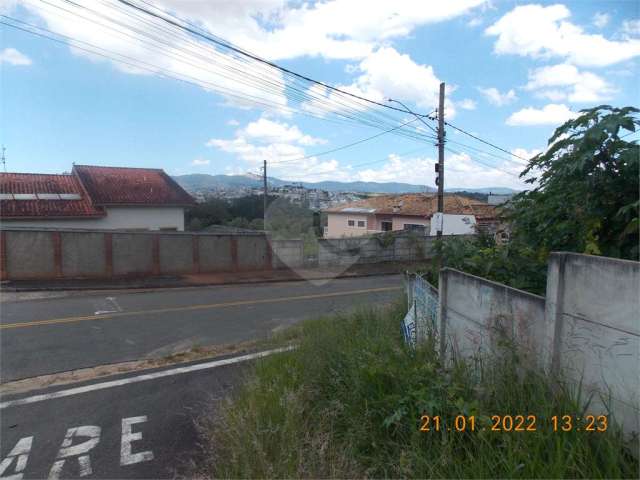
(419, 117)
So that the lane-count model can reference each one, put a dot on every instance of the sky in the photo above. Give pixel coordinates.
(119, 87)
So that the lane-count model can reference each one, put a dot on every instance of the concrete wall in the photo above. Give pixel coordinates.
(593, 307)
(138, 218)
(586, 330)
(396, 247)
(287, 253)
(478, 316)
(49, 254)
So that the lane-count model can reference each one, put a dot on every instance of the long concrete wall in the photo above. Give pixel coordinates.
(585, 331)
(396, 247)
(51, 254)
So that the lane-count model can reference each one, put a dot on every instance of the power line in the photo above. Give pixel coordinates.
(135, 63)
(225, 44)
(385, 159)
(485, 142)
(482, 163)
(326, 152)
(479, 150)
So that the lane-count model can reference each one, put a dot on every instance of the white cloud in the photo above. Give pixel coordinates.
(494, 96)
(198, 162)
(474, 22)
(233, 123)
(345, 29)
(630, 29)
(278, 142)
(273, 29)
(558, 82)
(523, 153)
(385, 74)
(601, 20)
(551, 114)
(14, 57)
(183, 56)
(544, 32)
(273, 131)
(463, 171)
(467, 104)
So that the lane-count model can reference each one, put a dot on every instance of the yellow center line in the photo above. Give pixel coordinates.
(238, 303)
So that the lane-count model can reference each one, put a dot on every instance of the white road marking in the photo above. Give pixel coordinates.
(140, 378)
(126, 457)
(21, 450)
(111, 301)
(68, 449)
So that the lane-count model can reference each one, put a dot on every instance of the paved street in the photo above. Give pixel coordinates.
(140, 424)
(60, 334)
(137, 430)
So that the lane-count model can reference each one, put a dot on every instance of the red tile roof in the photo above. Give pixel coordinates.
(131, 186)
(30, 185)
(417, 204)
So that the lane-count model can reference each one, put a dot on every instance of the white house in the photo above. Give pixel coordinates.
(93, 197)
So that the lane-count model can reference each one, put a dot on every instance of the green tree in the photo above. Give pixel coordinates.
(214, 211)
(586, 198)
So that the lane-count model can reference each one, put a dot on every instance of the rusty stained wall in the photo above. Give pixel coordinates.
(51, 254)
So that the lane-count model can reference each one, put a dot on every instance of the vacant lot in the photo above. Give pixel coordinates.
(348, 403)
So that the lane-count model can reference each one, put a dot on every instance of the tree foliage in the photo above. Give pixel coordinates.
(584, 199)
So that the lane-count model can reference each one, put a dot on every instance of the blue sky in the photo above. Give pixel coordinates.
(514, 72)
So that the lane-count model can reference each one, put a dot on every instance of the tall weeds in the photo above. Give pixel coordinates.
(347, 403)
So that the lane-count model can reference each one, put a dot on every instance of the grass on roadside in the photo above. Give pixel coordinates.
(347, 403)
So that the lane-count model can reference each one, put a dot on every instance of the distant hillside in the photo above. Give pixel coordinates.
(199, 181)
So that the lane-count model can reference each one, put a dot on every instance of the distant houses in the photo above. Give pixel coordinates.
(94, 197)
(411, 212)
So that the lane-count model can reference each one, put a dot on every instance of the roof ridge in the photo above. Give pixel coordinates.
(118, 167)
(31, 173)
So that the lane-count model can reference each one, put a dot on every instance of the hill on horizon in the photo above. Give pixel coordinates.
(202, 181)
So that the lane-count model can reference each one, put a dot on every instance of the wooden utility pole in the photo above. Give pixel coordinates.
(264, 189)
(440, 165)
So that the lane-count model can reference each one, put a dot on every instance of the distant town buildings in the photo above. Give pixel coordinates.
(94, 197)
(315, 199)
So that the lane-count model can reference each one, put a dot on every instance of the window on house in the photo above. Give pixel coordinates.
(413, 227)
(386, 226)
(361, 223)
(351, 223)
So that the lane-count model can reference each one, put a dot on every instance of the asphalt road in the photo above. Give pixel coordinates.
(141, 424)
(136, 430)
(60, 334)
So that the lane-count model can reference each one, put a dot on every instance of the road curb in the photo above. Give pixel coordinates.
(141, 287)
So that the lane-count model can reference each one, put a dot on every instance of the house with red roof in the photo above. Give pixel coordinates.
(94, 197)
(414, 212)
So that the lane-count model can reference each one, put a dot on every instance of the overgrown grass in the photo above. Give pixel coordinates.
(347, 403)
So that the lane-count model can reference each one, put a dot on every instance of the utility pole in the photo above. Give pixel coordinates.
(264, 188)
(4, 160)
(440, 165)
